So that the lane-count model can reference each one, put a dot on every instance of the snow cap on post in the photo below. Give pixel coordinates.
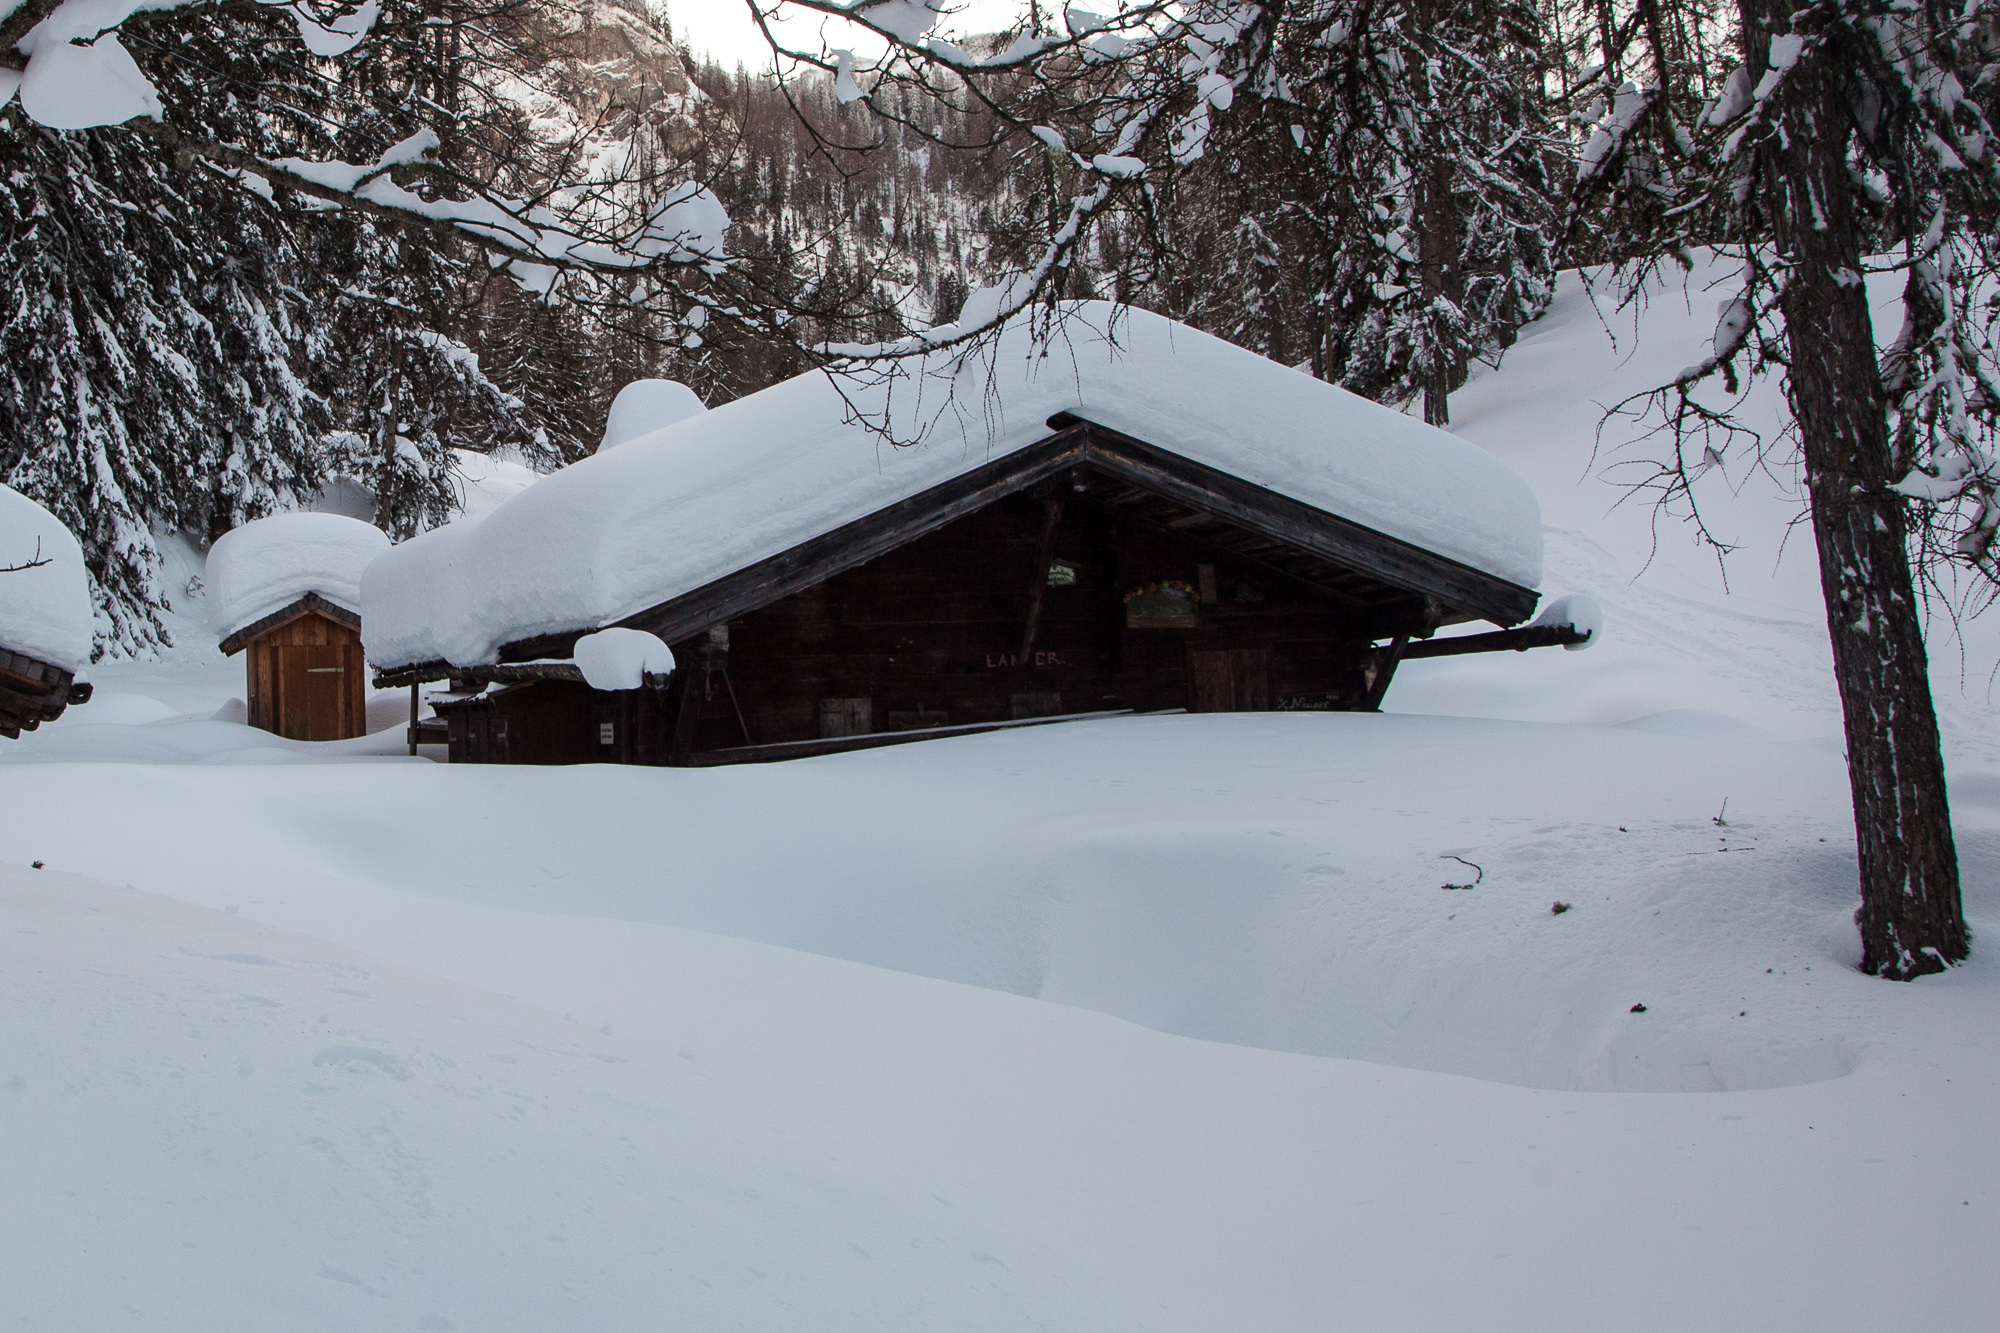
(644, 406)
(266, 565)
(45, 607)
(622, 659)
(1578, 611)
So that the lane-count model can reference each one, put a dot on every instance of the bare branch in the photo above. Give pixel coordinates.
(36, 562)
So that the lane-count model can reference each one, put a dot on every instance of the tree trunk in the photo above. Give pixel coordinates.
(1439, 263)
(1910, 916)
(1443, 281)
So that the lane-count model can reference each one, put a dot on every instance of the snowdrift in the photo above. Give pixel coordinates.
(644, 406)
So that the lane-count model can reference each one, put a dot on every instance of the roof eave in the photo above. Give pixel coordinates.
(310, 604)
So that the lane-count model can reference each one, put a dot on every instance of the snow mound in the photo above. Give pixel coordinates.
(644, 406)
(44, 611)
(1310, 904)
(677, 508)
(268, 564)
(621, 659)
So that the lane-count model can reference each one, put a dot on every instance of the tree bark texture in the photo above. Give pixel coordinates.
(1911, 918)
(1438, 244)
(1439, 262)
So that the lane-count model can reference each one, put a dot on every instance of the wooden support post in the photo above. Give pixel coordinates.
(686, 714)
(413, 717)
(1385, 671)
(730, 685)
(1045, 552)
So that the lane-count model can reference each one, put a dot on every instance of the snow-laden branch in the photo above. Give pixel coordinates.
(531, 242)
(64, 60)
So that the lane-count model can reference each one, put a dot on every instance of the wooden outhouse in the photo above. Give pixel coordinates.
(1084, 569)
(305, 671)
(283, 591)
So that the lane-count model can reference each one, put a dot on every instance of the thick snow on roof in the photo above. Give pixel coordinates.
(268, 564)
(644, 406)
(673, 510)
(45, 611)
(484, 482)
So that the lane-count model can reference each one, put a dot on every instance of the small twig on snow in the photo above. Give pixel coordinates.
(1477, 873)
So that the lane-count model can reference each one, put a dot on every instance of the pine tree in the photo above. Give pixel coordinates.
(1410, 157)
(183, 353)
(147, 383)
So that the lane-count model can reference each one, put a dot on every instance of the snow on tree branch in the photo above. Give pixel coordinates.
(71, 71)
(1924, 162)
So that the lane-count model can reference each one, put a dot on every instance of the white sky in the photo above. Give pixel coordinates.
(722, 28)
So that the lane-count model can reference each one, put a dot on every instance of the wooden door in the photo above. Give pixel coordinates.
(313, 692)
(1228, 680)
(846, 717)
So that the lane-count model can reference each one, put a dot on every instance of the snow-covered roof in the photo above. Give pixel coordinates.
(484, 482)
(266, 565)
(679, 507)
(644, 406)
(44, 611)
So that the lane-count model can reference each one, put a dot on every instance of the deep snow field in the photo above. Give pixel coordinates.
(1147, 1023)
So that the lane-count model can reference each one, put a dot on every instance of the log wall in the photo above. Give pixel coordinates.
(932, 634)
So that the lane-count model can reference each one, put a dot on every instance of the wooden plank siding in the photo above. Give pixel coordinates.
(930, 634)
(307, 679)
(33, 692)
(558, 722)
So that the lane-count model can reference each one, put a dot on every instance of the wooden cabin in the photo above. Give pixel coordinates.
(45, 616)
(306, 675)
(1090, 572)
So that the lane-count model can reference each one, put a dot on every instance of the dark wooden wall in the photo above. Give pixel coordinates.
(306, 680)
(931, 634)
(558, 722)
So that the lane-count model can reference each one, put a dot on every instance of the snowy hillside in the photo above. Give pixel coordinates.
(1255, 1021)
(1694, 644)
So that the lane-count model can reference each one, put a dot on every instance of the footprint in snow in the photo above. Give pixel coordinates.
(359, 1058)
